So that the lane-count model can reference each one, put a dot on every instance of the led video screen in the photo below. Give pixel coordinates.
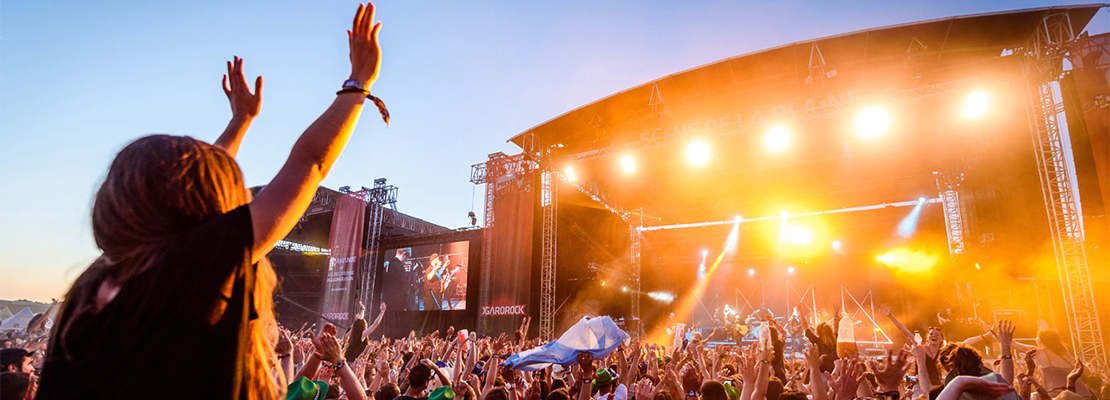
(428, 277)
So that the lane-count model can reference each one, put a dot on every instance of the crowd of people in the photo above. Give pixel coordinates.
(179, 305)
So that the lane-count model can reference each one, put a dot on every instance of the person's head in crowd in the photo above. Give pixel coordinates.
(825, 335)
(419, 376)
(14, 386)
(387, 391)
(558, 394)
(662, 395)
(1050, 339)
(134, 222)
(557, 384)
(605, 380)
(497, 393)
(5, 343)
(729, 369)
(791, 394)
(774, 388)
(961, 359)
(17, 360)
(713, 390)
(935, 337)
(690, 377)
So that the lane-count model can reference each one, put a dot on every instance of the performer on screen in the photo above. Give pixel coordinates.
(397, 282)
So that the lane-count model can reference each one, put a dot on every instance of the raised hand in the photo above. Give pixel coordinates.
(1004, 332)
(847, 383)
(366, 60)
(243, 103)
(1075, 374)
(329, 348)
(284, 345)
(892, 371)
(885, 309)
(644, 389)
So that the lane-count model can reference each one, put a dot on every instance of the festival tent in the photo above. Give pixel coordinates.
(5, 313)
(18, 321)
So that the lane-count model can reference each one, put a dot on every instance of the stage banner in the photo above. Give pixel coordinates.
(509, 243)
(347, 225)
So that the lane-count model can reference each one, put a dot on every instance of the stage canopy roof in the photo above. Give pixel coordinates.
(814, 88)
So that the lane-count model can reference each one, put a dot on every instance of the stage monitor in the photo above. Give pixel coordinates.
(427, 277)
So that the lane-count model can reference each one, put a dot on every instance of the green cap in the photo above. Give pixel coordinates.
(442, 393)
(304, 389)
(732, 391)
(604, 377)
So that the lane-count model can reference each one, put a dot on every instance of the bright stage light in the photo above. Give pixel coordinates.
(872, 122)
(698, 152)
(798, 235)
(602, 283)
(624, 288)
(836, 245)
(661, 296)
(790, 270)
(704, 253)
(976, 104)
(569, 172)
(920, 199)
(909, 261)
(751, 271)
(628, 164)
(908, 226)
(777, 139)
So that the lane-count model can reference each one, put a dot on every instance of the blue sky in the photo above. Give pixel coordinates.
(79, 80)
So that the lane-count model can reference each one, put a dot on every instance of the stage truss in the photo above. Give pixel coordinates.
(1048, 125)
(377, 198)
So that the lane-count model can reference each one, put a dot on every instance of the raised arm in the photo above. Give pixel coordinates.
(377, 321)
(278, 207)
(244, 106)
(905, 332)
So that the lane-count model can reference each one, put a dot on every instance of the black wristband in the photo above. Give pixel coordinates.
(377, 102)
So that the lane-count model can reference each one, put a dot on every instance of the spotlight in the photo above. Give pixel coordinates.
(920, 199)
(628, 164)
(602, 283)
(751, 271)
(704, 253)
(976, 104)
(836, 245)
(569, 172)
(790, 270)
(624, 288)
(661, 296)
(777, 139)
(698, 152)
(798, 235)
(872, 122)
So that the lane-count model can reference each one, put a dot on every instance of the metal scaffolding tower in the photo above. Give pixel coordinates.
(634, 249)
(1048, 125)
(377, 198)
(948, 184)
(549, 202)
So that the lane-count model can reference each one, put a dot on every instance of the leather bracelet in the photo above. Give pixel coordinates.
(377, 102)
